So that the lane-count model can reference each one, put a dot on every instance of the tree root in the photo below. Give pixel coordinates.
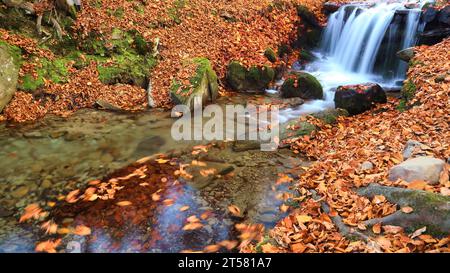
(346, 231)
(429, 209)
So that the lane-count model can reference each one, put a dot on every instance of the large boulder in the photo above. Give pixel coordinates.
(302, 85)
(444, 15)
(406, 54)
(203, 84)
(240, 78)
(359, 98)
(429, 14)
(9, 73)
(330, 7)
(420, 168)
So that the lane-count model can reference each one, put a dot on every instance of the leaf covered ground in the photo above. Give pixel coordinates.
(379, 137)
(221, 31)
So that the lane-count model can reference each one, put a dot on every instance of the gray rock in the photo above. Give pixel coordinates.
(419, 168)
(413, 148)
(9, 73)
(406, 54)
(365, 166)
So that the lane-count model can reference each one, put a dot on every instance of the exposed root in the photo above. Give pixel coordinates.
(429, 209)
(346, 231)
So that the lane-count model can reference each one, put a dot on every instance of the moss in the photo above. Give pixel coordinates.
(306, 87)
(14, 51)
(408, 90)
(204, 83)
(270, 55)
(307, 16)
(175, 11)
(236, 74)
(306, 56)
(330, 116)
(283, 50)
(55, 71)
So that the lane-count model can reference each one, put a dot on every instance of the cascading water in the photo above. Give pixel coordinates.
(359, 45)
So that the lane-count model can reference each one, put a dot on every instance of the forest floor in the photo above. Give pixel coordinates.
(377, 136)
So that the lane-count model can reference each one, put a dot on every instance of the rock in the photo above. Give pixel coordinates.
(9, 72)
(440, 78)
(4, 212)
(365, 166)
(329, 116)
(420, 168)
(406, 54)
(293, 102)
(413, 148)
(359, 98)
(411, 5)
(205, 85)
(429, 14)
(444, 15)
(107, 106)
(242, 146)
(302, 85)
(20, 192)
(227, 16)
(306, 56)
(330, 7)
(307, 16)
(434, 36)
(255, 78)
(46, 184)
(270, 55)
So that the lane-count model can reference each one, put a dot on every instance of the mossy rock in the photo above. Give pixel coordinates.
(255, 78)
(330, 116)
(204, 82)
(307, 16)
(283, 50)
(408, 90)
(125, 57)
(9, 71)
(303, 85)
(308, 37)
(306, 56)
(270, 55)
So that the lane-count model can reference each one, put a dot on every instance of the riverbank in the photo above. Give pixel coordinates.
(378, 137)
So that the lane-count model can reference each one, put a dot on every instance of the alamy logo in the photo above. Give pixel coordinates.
(228, 122)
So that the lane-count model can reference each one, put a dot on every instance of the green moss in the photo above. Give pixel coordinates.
(408, 90)
(175, 11)
(56, 71)
(204, 83)
(270, 55)
(236, 74)
(14, 51)
(330, 116)
(307, 87)
(306, 56)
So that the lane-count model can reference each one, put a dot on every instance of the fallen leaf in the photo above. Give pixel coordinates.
(407, 210)
(48, 246)
(184, 208)
(123, 203)
(234, 210)
(417, 185)
(82, 230)
(301, 219)
(192, 226)
(418, 232)
(376, 228)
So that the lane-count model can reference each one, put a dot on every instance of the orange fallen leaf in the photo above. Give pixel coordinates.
(407, 210)
(48, 246)
(31, 211)
(376, 228)
(228, 244)
(162, 161)
(234, 210)
(417, 185)
(377, 199)
(82, 230)
(211, 248)
(156, 197)
(298, 248)
(389, 229)
(192, 226)
(168, 202)
(301, 219)
(184, 208)
(123, 203)
(50, 227)
(72, 196)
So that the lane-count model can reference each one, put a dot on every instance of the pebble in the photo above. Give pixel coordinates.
(20, 192)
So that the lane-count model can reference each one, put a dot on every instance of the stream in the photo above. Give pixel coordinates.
(51, 157)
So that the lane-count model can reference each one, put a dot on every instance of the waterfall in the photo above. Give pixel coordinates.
(363, 39)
